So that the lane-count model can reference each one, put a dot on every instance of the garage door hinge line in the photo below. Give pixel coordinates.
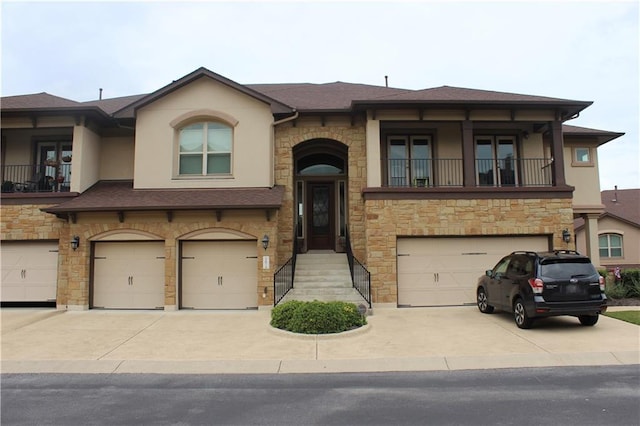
(134, 335)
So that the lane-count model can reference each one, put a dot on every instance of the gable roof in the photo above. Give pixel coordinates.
(129, 110)
(620, 204)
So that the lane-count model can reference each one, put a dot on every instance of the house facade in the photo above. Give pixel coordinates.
(618, 230)
(194, 196)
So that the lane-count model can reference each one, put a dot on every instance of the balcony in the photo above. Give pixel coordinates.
(431, 173)
(33, 178)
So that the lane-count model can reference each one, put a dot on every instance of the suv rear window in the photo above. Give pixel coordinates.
(567, 268)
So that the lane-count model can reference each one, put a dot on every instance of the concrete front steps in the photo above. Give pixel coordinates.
(323, 276)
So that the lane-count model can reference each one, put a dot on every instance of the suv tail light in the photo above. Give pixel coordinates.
(601, 280)
(537, 285)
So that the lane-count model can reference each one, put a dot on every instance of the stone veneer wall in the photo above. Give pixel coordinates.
(388, 219)
(27, 222)
(286, 138)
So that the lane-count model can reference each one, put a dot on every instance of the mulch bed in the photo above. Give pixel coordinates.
(631, 301)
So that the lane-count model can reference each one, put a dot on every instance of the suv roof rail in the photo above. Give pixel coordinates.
(524, 252)
(567, 252)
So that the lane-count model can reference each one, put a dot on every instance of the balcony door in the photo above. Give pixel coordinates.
(54, 162)
(496, 161)
(409, 161)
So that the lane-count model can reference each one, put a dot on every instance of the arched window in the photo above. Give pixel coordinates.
(610, 245)
(205, 149)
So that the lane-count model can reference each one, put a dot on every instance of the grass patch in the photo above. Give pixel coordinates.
(629, 316)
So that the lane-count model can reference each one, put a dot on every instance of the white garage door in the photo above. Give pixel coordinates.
(219, 275)
(444, 271)
(128, 275)
(29, 271)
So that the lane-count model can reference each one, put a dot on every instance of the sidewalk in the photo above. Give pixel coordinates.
(207, 342)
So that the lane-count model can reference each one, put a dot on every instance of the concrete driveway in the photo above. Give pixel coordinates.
(417, 339)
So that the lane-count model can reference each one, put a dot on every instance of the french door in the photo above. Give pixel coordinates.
(496, 163)
(409, 161)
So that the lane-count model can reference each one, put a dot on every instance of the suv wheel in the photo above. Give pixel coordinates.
(483, 304)
(588, 319)
(520, 315)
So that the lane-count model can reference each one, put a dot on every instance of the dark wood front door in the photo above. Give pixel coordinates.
(321, 217)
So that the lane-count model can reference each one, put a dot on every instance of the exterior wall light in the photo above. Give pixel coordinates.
(265, 241)
(566, 236)
(75, 242)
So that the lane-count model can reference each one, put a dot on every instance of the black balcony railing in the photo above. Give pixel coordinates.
(418, 173)
(360, 276)
(36, 178)
(424, 172)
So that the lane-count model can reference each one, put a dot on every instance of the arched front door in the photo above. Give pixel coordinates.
(321, 180)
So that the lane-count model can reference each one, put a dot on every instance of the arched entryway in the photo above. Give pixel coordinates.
(320, 167)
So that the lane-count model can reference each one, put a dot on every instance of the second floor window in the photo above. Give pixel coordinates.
(205, 149)
(610, 245)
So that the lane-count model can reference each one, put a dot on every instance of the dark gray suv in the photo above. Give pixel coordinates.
(534, 285)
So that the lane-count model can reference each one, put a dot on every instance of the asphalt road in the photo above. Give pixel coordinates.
(537, 396)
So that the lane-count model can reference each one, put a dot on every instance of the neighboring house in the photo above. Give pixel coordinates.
(618, 229)
(167, 200)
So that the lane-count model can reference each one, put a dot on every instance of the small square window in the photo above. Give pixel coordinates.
(582, 157)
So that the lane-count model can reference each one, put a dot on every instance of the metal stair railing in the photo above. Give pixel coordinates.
(360, 276)
(284, 276)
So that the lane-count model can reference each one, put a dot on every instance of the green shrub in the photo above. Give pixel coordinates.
(281, 315)
(316, 317)
(628, 285)
(616, 291)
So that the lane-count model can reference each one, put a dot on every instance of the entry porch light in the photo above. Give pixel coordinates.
(75, 242)
(566, 236)
(265, 241)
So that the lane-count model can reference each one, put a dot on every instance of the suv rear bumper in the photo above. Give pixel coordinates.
(541, 308)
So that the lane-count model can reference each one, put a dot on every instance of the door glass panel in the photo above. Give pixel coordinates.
(300, 212)
(342, 209)
(506, 163)
(484, 155)
(320, 219)
(398, 159)
(420, 161)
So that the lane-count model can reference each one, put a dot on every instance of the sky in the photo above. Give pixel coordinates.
(579, 50)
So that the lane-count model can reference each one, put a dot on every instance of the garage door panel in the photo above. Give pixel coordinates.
(29, 271)
(444, 271)
(129, 275)
(219, 274)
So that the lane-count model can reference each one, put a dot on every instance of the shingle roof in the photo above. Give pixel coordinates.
(623, 204)
(36, 101)
(114, 104)
(309, 97)
(120, 196)
(327, 96)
